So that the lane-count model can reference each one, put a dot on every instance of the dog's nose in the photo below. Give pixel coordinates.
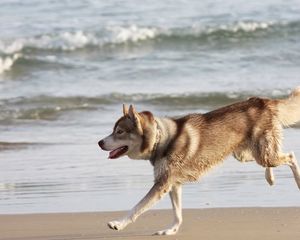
(101, 144)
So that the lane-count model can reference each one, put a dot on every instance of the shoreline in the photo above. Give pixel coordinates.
(215, 223)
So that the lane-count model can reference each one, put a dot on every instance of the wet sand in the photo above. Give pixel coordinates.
(227, 223)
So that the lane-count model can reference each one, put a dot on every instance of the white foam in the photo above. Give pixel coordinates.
(251, 26)
(64, 41)
(132, 34)
(241, 26)
(7, 62)
(70, 41)
(10, 51)
(10, 48)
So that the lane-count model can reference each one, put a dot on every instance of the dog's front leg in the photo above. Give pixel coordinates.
(159, 189)
(175, 195)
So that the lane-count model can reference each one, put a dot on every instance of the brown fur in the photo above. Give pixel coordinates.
(245, 126)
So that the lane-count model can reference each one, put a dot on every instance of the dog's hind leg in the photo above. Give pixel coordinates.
(269, 176)
(244, 155)
(288, 159)
(175, 195)
(293, 164)
(159, 189)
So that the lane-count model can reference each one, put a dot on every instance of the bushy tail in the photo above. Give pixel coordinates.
(289, 108)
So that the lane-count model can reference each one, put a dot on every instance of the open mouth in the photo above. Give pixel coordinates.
(118, 152)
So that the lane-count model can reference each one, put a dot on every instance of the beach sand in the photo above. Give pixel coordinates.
(227, 223)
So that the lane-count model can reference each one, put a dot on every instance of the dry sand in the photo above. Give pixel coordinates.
(230, 223)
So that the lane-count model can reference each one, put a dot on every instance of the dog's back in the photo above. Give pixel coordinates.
(250, 129)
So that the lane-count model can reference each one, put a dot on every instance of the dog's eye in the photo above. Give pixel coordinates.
(120, 131)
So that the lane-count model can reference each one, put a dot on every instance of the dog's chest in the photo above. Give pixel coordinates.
(160, 168)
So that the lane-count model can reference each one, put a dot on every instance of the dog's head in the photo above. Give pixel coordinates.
(134, 135)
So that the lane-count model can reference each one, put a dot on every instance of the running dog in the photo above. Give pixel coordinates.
(183, 149)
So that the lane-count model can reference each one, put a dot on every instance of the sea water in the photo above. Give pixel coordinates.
(66, 67)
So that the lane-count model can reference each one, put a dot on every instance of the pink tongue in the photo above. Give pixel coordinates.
(113, 154)
(118, 152)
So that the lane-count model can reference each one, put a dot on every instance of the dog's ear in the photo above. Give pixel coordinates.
(135, 118)
(125, 109)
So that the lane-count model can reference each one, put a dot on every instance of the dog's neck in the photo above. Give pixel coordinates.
(164, 134)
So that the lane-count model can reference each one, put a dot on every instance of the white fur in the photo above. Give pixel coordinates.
(295, 168)
(110, 144)
(155, 194)
(175, 195)
(269, 176)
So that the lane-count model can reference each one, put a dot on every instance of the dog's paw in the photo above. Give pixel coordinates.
(270, 176)
(117, 225)
(169, 231)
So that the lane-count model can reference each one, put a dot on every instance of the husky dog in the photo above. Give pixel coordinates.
(183, 149)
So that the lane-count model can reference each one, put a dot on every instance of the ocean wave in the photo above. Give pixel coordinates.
(200, 33)
(51, 107)
(120, 36)
(4, 146)
(70, 41)
(116, 35)
(193, 100)
(44, 107)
